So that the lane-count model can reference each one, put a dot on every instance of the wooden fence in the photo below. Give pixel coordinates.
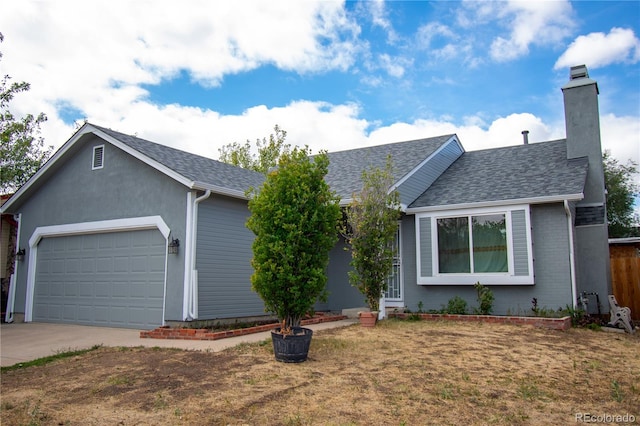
(625, 275)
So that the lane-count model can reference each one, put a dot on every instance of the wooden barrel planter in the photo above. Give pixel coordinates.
(291, 347)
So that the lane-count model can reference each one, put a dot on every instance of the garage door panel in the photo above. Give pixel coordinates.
(57, 266)
(121, 264)
(101, 315)
(116, 279)
(102, 290)
(73, 245)
(156, 264)
(139, 263)
(72, 266)
(71, 290)
(88, 264)
(139, 289)
(86, 290)
(69, 312)
(104, 264)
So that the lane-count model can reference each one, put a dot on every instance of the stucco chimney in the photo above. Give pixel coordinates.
(582, 121)
(525, 137)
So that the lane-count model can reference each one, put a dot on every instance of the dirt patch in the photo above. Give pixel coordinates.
(397, 373)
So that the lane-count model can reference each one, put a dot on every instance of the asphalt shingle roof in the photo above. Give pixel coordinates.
(346, 167)
(515, 172)
(194, 167)
(524, 171)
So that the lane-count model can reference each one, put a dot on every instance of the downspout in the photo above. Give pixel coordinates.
(572, 260)
(11, 299)
(192, 312)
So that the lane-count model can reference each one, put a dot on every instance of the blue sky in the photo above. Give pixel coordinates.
(334, 75)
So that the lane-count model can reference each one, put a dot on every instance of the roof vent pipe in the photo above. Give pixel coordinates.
(525, 136)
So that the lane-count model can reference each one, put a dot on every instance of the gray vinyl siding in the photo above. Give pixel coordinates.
(223, 261)
(421, 179)
(341, 293)
(426, 257)
(520, 246)
(71, 192)
(552, 287)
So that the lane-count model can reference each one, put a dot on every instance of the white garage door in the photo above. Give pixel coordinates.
(113, 279)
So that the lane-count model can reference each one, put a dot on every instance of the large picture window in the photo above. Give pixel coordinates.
(492, 245)
(472, 244)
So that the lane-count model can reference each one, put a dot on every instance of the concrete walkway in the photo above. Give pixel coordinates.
(20, 342)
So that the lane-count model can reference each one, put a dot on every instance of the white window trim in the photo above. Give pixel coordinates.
(129, 224)
(500, 278)
(93, 157)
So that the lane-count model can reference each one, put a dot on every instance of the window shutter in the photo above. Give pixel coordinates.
(520, 246)
(426, 258)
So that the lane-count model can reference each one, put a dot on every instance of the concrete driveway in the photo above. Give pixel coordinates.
(20, 342)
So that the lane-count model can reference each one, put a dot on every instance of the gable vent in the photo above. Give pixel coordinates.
(98, 157)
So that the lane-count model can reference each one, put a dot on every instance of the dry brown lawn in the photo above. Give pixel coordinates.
(400, 373)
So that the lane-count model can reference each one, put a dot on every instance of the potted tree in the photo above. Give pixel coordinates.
(370, 230)
(295, 218)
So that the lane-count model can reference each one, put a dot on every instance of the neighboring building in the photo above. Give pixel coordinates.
(100, 221)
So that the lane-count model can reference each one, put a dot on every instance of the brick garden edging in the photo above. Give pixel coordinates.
(562, 324)
(166, 332)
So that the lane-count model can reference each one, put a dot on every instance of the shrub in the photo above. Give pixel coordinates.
(295, 218)
(485, 299)
(456, 306)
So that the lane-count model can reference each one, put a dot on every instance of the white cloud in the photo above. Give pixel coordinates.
(393, 66)
(442, 43)
(511, 26)
(621, 136)
(473, 134)
(599, 49)
(317, 124)
(433, 33)
(531, 22)
(379, 18)
(91, 53)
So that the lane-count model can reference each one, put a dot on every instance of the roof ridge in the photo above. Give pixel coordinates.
(517, 146)
(447, 136)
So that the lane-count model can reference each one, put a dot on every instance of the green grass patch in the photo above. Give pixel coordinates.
(48, 359)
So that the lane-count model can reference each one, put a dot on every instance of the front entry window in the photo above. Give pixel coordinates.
(394, 282)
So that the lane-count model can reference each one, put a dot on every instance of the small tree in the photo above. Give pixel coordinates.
(372, 223)
(621, 193)
(269, 151)
(22, 150)
(295, 218)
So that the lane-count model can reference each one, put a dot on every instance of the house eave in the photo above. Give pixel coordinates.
(84, 130)
(234, 193)
(483, 204)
